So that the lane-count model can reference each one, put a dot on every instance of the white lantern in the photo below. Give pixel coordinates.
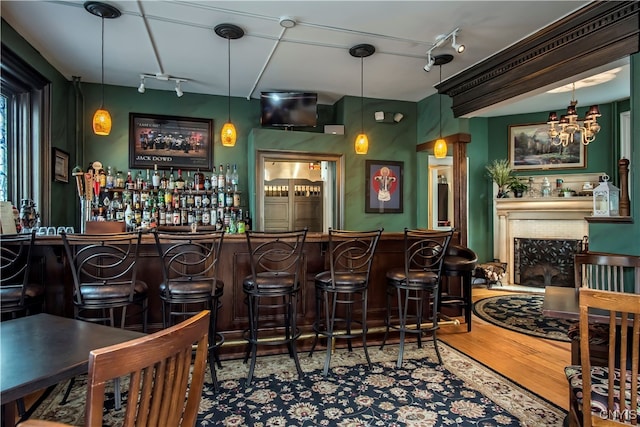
(606, 199)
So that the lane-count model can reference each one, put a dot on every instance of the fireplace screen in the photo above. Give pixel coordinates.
(544, 262)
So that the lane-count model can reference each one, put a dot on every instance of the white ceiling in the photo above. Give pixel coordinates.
(177, 38)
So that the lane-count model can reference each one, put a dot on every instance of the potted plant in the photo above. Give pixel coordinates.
(500, 172)
(518, 187)
(567, 192)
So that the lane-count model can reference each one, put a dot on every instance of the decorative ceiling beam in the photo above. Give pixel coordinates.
(595, 35)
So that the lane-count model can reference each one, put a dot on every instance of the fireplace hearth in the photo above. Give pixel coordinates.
(544, 262)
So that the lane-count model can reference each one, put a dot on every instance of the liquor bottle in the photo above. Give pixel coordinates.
(214, 179)
(155, 181)
(168, 198)
(139, 180)
(103, 178)
(128, 216)
(147, 184)
(160, 198)
(188, 183)
(234, 178)
(162, 216)
(180, 181)
(207, 183)
(221, 183)
(131, 185)
(164, 181)
(110, 179)
(172, 181)
(119, 180)
(227, 176)
(176, 199)
(247, 220)
(198, 181)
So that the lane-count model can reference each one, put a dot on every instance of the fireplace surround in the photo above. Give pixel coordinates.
(551, 217)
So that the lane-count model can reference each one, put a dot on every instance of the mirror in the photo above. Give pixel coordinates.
(441, 193)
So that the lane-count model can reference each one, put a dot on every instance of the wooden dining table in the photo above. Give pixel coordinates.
(42, 350)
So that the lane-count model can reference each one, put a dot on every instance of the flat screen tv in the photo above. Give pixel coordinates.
(288, 109)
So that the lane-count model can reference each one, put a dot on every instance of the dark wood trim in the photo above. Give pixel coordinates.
(458, 147)
(595, 35)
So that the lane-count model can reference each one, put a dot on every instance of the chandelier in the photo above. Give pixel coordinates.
(569, 125)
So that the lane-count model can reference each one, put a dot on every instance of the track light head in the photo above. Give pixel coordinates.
(178, 89)
(141, 88)
(459, 48)
(430, 62)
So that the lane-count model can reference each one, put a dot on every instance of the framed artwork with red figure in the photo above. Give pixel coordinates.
(384, 182)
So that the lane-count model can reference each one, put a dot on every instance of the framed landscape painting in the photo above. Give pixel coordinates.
(530, 148)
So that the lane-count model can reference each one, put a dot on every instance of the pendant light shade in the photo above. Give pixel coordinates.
(102, 122)
(102, 118)
(440, 147)
(362, 51)
(362, 144)
(228, 135)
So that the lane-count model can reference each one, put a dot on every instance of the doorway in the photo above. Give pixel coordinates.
(297, 189)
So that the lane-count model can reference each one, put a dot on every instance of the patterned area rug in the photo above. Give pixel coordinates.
(522, 313)
(422, 393)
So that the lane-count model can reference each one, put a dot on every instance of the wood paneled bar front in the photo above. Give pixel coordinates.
(233, 268)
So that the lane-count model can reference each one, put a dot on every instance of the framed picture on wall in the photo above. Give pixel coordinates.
(60, 163)
(530, 148)
(170, 142)
(383, 186)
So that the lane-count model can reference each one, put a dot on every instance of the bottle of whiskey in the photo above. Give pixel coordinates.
(180, 181)
(172, 181)
(221, 183)
(198, 181)
(155, 181)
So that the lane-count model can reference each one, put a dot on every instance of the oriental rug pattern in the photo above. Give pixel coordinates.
(421, 393)
(522, 313)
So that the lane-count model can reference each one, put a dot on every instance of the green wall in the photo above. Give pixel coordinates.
(387, 142)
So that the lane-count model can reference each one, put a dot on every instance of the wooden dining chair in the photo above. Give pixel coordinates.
(165, 379)
(598, 396)
(607, 272)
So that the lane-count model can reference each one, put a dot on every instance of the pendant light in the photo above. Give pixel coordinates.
(362, 51)
(102, 118)
(440, 147)
(228, 135)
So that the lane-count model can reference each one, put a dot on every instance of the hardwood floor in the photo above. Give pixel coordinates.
(535, 363)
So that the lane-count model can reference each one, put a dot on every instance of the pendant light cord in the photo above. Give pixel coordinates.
(229, 78)
(361, 94)
(102, 64)
(440, 107)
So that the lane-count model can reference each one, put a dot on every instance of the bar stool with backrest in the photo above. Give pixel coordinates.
(104, 270)
(18, 294)
(272, 290)
(416, 284)
(459, 261)
(190, 281)
(343, 288)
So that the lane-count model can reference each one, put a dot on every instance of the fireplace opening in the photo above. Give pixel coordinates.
(544, 262)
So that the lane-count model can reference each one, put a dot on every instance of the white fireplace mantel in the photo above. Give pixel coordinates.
(540, 218)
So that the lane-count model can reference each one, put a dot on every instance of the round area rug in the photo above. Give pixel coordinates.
(522, 313)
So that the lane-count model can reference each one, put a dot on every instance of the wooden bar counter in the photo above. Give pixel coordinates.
(52, 267)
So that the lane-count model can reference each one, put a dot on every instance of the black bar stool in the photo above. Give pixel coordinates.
(18, 294)
(417, 284)
(344, 287)
(104, 271)
(460, 261)
(272, 291)
(190, 282)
